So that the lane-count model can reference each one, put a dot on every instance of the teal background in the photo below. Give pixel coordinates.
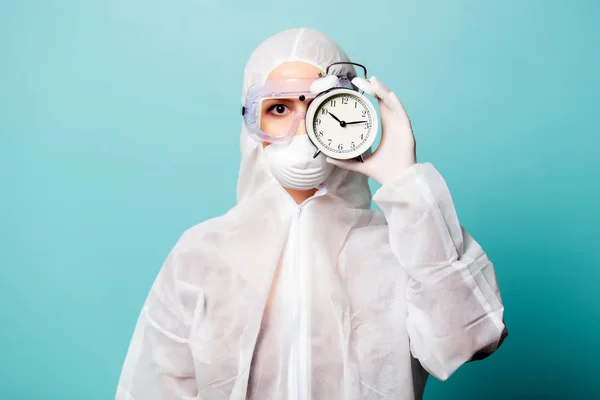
(119, 129)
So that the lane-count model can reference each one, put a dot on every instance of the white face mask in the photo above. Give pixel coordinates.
(293, 164)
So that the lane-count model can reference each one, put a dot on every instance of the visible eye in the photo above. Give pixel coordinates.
(278, 109)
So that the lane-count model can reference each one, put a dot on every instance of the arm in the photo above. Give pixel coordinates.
(159, 363)
(455, 311)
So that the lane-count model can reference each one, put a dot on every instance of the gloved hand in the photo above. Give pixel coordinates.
(397, 149)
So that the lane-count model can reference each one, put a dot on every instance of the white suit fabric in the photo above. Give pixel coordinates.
(324, 300)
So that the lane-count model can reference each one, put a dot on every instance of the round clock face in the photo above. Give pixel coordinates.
(343, 124)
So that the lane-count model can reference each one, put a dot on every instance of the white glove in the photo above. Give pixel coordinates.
(397, 149)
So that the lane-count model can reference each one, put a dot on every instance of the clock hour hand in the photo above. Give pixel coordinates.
(355, 122)
(342, 123)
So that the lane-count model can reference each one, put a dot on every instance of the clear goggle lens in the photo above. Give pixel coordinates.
(275, 110)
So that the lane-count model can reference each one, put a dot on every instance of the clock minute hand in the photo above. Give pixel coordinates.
(355, 122)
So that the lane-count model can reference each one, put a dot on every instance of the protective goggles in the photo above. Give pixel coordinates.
(274, 110)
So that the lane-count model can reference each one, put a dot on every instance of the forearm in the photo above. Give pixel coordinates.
(454, 305)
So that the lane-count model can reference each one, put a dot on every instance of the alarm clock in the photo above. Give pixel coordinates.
(340, 122)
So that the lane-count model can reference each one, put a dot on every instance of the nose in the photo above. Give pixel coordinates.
(302, 107)
(301, 127)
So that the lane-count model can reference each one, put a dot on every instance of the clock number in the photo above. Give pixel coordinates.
(355, 104)
(329, 144)
(340, 147)
(344, 100)
(318, 121)
(364, 113)
(324, 111)
(362, 135)
(332, 103)
(368, 125)
(320, 134)
(352, 145)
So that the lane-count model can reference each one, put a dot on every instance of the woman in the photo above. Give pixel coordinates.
(300, 291)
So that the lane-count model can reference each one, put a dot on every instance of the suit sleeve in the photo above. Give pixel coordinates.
(455, 311)
(159, 364)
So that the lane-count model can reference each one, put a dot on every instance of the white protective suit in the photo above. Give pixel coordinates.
(325, 300)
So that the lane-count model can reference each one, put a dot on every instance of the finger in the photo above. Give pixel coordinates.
(381, 92)
(390, 99)
(398, 108)
(375, 81)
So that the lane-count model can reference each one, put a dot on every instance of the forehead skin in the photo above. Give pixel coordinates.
(295, 70)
